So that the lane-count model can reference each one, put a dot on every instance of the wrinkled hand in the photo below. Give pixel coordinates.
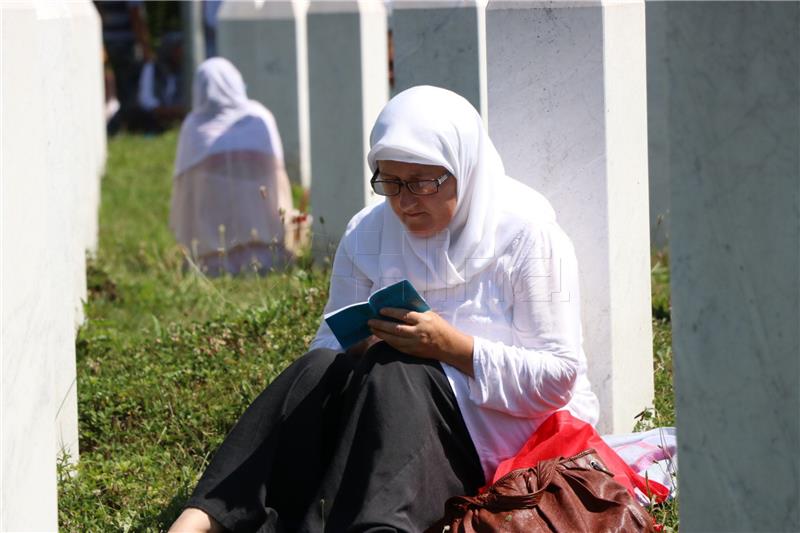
(425, 335)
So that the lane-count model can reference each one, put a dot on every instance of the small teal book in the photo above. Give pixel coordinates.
(349, 324)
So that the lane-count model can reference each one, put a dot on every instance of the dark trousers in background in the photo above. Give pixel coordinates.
(126, 67)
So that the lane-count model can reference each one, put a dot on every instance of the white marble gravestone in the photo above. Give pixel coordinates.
(90, 118)
(76, 160)
(734, 157)
(72, 80)
(51, 101)
(349, 85)
(567, 112)
(28, 492)
(64, 188)
(441, 43)
(266, 40)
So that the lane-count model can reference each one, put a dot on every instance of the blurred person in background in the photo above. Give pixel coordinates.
(126, 41)
(160, 100)
(112, 106)
(231, 198)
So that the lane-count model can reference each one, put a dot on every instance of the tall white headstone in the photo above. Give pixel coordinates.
(87, 44)
(52, 139)
(568, 114)
(349, 85)
(266, 40)
(441, 43)
(28, 493)
(75, 157)
(66, 154)
(734, 156)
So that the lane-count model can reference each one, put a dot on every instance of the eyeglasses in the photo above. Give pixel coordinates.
(393, 187)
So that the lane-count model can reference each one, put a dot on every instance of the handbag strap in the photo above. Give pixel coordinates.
(495, 501)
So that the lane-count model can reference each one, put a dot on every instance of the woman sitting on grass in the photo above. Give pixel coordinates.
(231, 198)
(378, 437)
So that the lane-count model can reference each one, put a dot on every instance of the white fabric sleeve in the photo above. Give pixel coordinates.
(536, 374)
(348, 286)
(146, 97)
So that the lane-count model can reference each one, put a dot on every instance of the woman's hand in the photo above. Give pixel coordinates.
(425, 335)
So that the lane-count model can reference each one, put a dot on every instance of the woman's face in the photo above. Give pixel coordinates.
(423, 216)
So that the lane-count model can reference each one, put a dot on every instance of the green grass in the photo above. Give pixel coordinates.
(168, 360)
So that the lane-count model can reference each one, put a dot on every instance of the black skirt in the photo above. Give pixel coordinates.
(341, 443)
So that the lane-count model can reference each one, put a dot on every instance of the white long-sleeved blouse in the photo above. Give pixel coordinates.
(524, 315)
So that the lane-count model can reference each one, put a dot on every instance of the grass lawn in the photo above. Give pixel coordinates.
(168, 360)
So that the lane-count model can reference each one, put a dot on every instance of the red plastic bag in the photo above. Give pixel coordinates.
(563, 435)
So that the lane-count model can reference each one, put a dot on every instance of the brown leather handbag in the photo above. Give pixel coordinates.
(572, 495)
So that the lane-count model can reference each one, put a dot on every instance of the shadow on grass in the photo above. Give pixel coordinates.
(168, 514)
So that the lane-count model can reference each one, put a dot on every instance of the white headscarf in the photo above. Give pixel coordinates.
(223, 119)
(434, 126)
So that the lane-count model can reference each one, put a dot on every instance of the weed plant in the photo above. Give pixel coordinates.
(167, 359)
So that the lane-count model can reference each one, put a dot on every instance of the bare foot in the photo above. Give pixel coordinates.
(194, 520)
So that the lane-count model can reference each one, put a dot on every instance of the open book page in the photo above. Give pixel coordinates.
(349, 324)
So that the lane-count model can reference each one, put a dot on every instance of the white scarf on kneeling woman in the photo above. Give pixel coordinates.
(223, 119)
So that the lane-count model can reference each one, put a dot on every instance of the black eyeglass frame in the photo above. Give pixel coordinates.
(438, 181)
